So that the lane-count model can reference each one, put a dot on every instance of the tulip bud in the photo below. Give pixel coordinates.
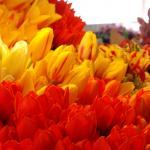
(11, 62)
(3, 50)
(79, 75)
(100, 65)
(73, 92)
(88, 46)
(41, 44)
(112, 88)
(94, 87)
(141, 102)
(27, 81)
(61, 64)
(116, 70)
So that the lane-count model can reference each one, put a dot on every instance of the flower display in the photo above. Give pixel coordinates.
(60, 90)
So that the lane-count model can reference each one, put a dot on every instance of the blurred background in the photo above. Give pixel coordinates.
(101, 16)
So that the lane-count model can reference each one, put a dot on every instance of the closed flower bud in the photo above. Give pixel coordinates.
(16, 61)
(41, 44)
(116, 70)
(88, 46)
(61, 63)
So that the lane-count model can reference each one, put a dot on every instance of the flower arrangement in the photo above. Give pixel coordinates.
(60, 90)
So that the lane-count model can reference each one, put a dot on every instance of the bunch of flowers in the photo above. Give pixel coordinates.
(75, 97)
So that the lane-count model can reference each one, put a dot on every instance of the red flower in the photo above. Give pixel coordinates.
(6, 103)
(102, 144)
(93, 88)
(44, 140)
(14, 145)
(141, 102)
(26, 128)
(110, 111)
(69, 29)
(65, 144)
(126, 138)
(81, 123)
(84, 145)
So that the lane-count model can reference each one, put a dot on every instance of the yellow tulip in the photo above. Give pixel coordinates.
(100, 64)
(88, 46)
(3, 50)
(41, 44)
(42, 13)
(15, 62)
(61, 62)
(79, 75)
(116, 70)
(27, 81)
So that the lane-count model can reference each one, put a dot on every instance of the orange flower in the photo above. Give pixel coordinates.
(141, 102)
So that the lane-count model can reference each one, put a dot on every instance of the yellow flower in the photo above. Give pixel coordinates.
(100, 64)
(21, 19)
(27, 81)
(42, 13)
(61, 62)
(3, 50)
(41, 44)
(116, 70)
(15, 62)
(79, 75)
(88, 46)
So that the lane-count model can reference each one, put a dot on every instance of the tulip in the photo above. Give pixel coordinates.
(27, 81)
(141, 102)
(112, 88)
(3, 50)
(115, 70)
(100, 65)
(41, 44)
(126, 88)
(10, 62)
(73, 92)
(86, 123)
(44, 140)
(101, 143)
(139, 63)
(79, 75)
(6, 103)
(128, 137)
(62, 61)
(93, 88)
(88, 46)
(42, 13)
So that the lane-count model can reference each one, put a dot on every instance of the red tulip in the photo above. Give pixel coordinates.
(6, 103)
(126, 138)
(110, 111)
(57, 95)
(44, 140)
(81, 123)
(84, 145)
(102, 144)
(93, 88)
(26, 128)
(65, 144)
